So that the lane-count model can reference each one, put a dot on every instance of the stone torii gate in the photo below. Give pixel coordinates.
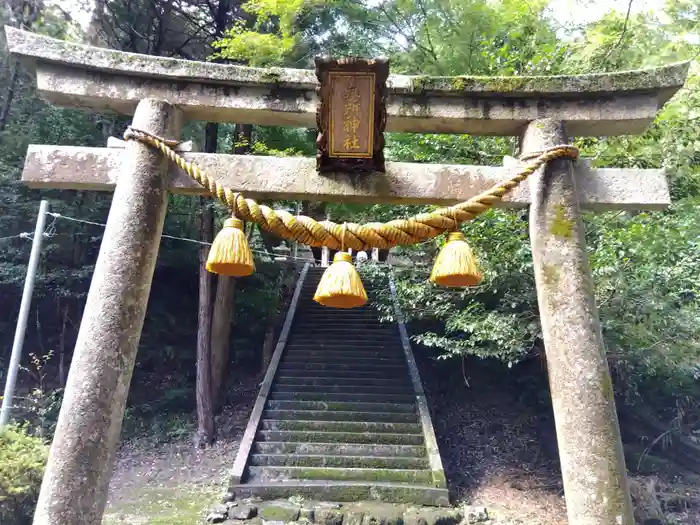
(161, 92)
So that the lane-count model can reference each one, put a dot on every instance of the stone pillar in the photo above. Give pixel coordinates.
(76, 481)
(588, 434)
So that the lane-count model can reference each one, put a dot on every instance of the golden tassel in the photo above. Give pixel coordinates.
(455, 265)
(230, 254)
(340, 285)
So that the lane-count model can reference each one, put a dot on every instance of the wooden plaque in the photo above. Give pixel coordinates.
(351, 116)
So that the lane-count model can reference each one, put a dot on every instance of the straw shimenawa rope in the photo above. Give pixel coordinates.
(308, 231)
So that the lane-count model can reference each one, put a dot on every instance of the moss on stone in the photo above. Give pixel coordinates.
(419, 83)
(561, 226)
(340, 461)
(439, 479)
(279, 511)
(551, 274)
(459, 84)
(313, 473)
(271, 75)
(606, 383)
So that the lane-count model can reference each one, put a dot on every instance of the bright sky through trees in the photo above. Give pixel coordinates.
(564, 11)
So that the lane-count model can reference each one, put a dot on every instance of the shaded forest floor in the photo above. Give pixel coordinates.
(174, 483)
(497, 444)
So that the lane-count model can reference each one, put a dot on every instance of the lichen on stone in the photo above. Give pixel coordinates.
(561, 226)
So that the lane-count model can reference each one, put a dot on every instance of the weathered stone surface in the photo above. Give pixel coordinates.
(75, 483)
(69, 167)
(74, 75)
(280, 510)
(252, 521)
(383, 516)
(306, 512)
(475, 514)
(215, 517)
(243, 512)
(353, 517)
(424, 516)
(328, 514)
(218, 514)
(588, 435)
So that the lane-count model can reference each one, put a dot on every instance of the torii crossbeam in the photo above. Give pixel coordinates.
(160, 92)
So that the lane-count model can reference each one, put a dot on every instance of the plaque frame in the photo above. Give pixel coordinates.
(351, 66)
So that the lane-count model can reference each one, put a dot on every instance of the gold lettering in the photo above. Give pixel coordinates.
(351, 93)
(351, 110)
(351, 116)
(351, 126)
(351, 142)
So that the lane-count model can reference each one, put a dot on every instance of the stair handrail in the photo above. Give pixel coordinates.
(431, 446)
(239, 465)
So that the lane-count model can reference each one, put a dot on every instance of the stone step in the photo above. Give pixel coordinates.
(402, 408)
(318, 320)
(347, 339)
(341, 348)
(335, 326)
(350, 397)
(349, 334)
(310, 307)
(332, 389)
(331, 318)
(349, 381)
(271, 474)
(339, 426)
(345, 372)
(371, 438)
(349, 368)
(346, 491)
(338, 320)
(342, 345)
(340, 415)
(343, 449)
(313, 460)
(331, 359)
(299, 354)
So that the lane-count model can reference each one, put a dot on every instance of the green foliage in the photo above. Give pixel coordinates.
(644, 264)
(272, 37)
(22, 461)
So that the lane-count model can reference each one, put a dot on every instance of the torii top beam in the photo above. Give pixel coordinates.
(75, 75)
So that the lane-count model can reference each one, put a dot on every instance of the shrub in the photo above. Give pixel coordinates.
(22, 461)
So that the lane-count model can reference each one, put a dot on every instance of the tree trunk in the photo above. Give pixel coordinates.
(269, 343)
(205, 413)
(286, 284)
(62, 346)
(223, 304)
(5, 111)
(242, 138)
(220, 336)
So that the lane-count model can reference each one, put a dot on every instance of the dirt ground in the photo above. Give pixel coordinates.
(174, 483)
(498, 450)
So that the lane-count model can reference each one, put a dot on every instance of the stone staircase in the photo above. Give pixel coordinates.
(342, 420)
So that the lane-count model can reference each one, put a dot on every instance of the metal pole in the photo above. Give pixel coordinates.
(23, 314)
(295, 252)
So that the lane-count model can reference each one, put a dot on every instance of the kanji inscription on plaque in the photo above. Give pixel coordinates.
(351, 115)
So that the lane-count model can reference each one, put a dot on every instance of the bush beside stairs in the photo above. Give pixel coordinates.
(341, 421)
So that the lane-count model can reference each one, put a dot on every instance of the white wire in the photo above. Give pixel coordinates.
(195, 241)
(23, 235)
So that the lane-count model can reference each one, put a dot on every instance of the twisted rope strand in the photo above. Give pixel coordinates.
(308, 231)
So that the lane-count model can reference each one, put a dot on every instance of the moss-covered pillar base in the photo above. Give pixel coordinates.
(588, 434)
(76, 480)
